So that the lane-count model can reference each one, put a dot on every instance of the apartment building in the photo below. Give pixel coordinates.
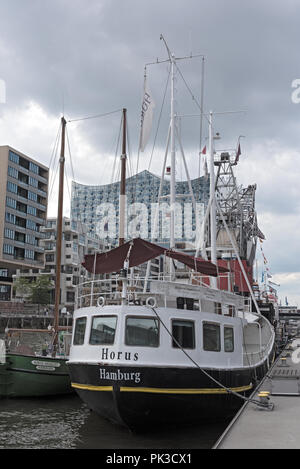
(75, 244)
(23, 209)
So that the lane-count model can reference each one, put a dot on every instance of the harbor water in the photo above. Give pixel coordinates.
(66, 423)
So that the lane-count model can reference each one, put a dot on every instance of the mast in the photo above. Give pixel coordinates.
(59, 231)
(173, 154)
(173, 158)
(213, 255)
(122, 185)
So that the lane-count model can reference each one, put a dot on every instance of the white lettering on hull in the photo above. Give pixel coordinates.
(119, 375)
(107, 354)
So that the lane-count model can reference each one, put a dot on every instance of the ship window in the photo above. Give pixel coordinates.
(228, 339)
(211, 337)
(143, 331)
(103, 330)
(184, 334)
(79, 331)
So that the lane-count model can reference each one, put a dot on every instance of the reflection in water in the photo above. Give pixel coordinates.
(41, 423)
(98, 433)
(66, 423)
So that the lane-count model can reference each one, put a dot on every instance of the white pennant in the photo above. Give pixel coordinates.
(146, 117)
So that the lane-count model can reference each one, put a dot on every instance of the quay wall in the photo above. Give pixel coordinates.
(22, 315)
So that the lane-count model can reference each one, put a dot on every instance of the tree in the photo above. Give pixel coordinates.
(40, 290)
(37, 291)
(22, 286)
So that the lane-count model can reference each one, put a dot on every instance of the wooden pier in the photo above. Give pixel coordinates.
(278, 425)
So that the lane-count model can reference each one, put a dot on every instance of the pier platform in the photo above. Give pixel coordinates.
(256, 427)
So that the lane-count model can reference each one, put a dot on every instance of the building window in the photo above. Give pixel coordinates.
(11, 202)
(31, 210)
(143, 331)
(33, 168)
(13, 157)
(10, 234)
(49, 257)
(184, 333)
(70, 297)
(33, 182)
(8, 249)
(228, 339)
(32, 196)
(29, 254)
(5, 291)
(211, 337)
(30, 239)
(12, 187)
(10, 218)
(31, 225)
(79, 331)
(103, 330)
(12, 172)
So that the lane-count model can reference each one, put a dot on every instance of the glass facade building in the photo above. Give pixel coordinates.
(98, 208)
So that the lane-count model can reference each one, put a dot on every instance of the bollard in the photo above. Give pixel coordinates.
(264, 397)
(283, 361)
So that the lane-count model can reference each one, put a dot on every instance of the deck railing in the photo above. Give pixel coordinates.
(161, 290)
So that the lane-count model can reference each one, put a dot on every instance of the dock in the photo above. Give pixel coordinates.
(278, 425)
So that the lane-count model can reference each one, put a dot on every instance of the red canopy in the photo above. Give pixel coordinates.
(138, 251)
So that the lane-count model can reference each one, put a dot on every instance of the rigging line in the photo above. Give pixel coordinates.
(72, 170)
(116, 152)
(201, 116)
(67, 181)
(70, 155)
(53, 179)
(129, 149)
(73, 177)
(55, 145)
(95, 116)
(230, 391)
(159, 119)
(193, 96)
(53, 157)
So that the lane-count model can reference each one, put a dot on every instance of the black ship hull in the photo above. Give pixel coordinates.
(142, 397)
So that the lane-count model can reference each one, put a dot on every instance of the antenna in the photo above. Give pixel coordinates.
(173, 133)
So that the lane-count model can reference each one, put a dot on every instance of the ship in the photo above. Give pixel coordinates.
(33, 361)
(164, 350)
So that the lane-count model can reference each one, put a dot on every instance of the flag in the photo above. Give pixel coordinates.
(273, 283)
(203, 152)
(238, 153)
(146, 117)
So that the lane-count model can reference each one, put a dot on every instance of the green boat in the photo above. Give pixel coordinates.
(25, 372)
(33, 361)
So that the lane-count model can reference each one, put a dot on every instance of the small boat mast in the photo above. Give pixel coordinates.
(59, 233)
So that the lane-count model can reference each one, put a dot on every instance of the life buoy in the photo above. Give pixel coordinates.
(151, 301)
(101, 301)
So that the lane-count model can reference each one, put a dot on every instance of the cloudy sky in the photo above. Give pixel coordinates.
(87, 57)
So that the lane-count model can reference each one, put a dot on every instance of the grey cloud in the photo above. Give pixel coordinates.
(93, 52)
